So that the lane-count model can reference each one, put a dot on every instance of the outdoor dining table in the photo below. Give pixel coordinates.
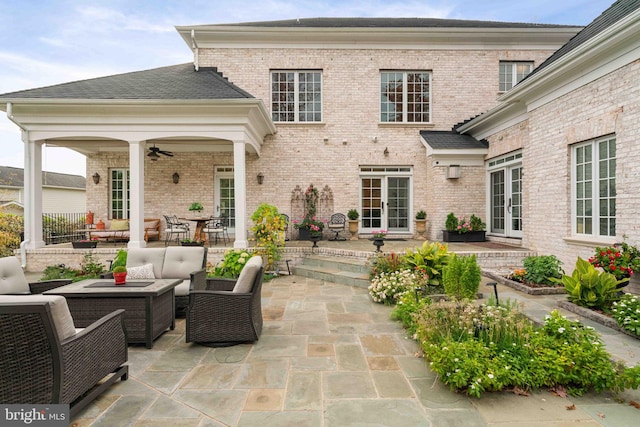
(201, 222)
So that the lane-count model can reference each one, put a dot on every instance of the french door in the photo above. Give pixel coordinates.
(224, 197)
(385, 199)
(506, 197)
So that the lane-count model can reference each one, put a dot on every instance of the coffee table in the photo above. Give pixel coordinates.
(149, 305)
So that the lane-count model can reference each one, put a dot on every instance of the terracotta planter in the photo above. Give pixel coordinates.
(120, 278)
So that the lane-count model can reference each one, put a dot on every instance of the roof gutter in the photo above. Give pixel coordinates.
(10, 115)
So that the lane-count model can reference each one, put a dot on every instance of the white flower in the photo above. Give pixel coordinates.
(490, 376)
(560, 330)
(455, 360)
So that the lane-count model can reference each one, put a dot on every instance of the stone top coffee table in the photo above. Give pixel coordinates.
(149, 305)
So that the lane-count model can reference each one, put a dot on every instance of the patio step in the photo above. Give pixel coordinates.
(346, 271)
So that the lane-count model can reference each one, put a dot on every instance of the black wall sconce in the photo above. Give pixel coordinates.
(176, 177)
(386, 151)
(96, 178)
(260, 178)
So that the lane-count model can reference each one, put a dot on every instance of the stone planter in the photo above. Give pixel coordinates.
(530, 290)
(84, 245)
(353, 229)
(421, 229)
(471, 236)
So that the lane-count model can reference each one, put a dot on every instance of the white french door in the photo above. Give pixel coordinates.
(224, 198)
(505, 195)
(385, 199)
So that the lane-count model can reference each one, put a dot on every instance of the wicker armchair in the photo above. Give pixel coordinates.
(44, 360)
(223, 312)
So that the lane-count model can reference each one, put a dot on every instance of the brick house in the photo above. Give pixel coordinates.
(363, 108)
(564, 141)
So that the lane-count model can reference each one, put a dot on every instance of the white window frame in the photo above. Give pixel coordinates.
(405, 98)
(126, 192)
(515, 75)
(297, 101)
(593, 184)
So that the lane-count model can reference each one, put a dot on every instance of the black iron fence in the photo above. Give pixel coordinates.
(62, 227)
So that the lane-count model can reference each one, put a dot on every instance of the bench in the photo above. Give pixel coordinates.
(118, 229)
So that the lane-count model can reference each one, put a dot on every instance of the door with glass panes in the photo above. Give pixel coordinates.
(506, 199)
(224, 197)
(385, 201)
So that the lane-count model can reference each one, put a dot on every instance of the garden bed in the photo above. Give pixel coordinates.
(595, 316)
(522, 287)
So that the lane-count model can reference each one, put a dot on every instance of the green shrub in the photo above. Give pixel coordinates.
(268, 230)
(589, 287)
(627, 313)
(542, 269)
(353, 214)
(10, 228)
(421, 214)
(406, 308)
(461, 277)
(120, 259)
(428, 261)
(451, 223)
(384, 263)
(231, 265)
(89, 269)
(483, 348)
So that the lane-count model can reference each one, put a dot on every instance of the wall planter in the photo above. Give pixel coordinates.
(84, 245)
(471, 236)
(191, 243)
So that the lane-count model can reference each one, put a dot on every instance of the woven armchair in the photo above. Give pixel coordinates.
(223, 312)
(44, 362)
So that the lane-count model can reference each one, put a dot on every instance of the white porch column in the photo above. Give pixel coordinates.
(32, 192)
(240, 187)
(136, 203)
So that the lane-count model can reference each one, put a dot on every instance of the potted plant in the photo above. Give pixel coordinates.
(421, 224)
(378, 239)
(461, 230)
(353, 216)
(120, 275)
(196, 207)
(309, 223)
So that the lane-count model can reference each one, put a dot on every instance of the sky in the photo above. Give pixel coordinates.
(47, 42)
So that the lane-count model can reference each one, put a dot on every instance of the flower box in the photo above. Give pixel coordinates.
(470, 236)
(84, 245)
(191, 243)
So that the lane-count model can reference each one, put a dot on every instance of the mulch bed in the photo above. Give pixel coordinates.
(522, 287)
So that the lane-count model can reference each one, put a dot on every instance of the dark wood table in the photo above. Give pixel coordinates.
(149, 310)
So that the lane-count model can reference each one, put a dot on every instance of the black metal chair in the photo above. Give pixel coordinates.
(175, 227)
(336, 224)
(286, 226)
(217, 227)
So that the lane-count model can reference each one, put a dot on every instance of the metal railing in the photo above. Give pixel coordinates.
(62, 227)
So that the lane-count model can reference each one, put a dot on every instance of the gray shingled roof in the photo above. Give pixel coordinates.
(14, 177)
(389, 23)
(173, 82)
(448, 140)
(613, 14)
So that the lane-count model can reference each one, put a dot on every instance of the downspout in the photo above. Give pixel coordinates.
(196, 51)
(23, 252)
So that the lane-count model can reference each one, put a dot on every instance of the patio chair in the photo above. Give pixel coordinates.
(44, 359)
(14, 282)
(216, 227)
(336, 224)
(224, 312)
(175, 227)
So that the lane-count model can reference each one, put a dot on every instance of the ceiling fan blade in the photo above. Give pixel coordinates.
(166, 153)
(153, 155)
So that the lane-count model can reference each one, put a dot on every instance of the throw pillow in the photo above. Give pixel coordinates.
(141, 272)
(119, 225)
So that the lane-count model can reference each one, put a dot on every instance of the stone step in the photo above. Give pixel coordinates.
(346, 271)
(354, 265)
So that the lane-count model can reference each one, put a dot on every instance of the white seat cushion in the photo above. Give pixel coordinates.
(183, 288)
(137, 257)
(180, 261)
(247, 275)
(12, 279)
(62, 320)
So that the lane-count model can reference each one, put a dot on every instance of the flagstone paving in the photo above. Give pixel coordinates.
(330, 357)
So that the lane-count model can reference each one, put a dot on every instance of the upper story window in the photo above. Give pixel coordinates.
(296, 96)
(594, 187)
(120, 196)
(405, 96)
(512, 72)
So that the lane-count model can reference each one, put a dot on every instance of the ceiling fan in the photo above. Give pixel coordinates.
(153, 153)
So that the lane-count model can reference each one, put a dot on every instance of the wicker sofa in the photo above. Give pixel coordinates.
(173, 262)
(44, 359)
(118, 229)
(14, 282)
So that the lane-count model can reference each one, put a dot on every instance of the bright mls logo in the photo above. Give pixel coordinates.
(34, 415)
